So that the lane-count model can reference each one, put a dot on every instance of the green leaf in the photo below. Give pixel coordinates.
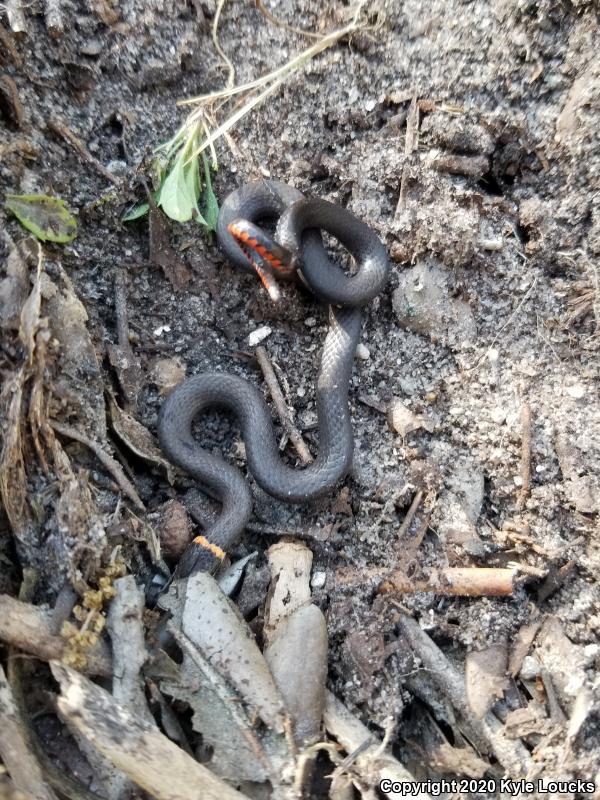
(210, 206)
(179, 195)
(136, 212)
(48, 218)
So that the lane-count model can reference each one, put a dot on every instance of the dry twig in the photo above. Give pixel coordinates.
(457, 581)
(410, 515)
(282, 409)
(486, 733)
(369, 761)
(71, 138)
(144, 754)
(525, 457)
(109, 462)
(29, 628)
(411, 145)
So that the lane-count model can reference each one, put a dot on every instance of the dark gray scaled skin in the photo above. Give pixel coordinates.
(326, 280)
(298, 231)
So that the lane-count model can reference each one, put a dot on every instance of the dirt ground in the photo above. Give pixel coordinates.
(466, 135)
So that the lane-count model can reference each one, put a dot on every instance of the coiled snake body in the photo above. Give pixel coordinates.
(298, 240)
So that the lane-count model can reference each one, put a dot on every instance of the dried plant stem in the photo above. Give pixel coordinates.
(525, 457)
(108, 461)
(282, 409)
(217, 44)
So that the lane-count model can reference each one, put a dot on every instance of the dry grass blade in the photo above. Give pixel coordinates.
(266, 85)
(281, 72)
(217, 44)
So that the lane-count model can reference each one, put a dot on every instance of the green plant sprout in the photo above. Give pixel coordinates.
(181, 184)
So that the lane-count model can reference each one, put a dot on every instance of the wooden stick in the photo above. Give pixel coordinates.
(15, 751)
(57, 126)
(411, 144)
(108, 461)
(485, 734)
(460, 581)
(410, 514)
(281, 406)
(370, 757)
(29, 628)
(143, 753)
(525, 457)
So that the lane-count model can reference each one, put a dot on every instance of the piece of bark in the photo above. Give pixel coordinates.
(129, 653)
(290, 564)
(485, 677)
(129, 656)
(151, 760)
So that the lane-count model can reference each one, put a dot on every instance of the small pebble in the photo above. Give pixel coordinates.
(258, 335)
(577, 391)
(318, 580)
(498, 415)
(161, 329)
(167, 373)
(362, 352)
(530, 668)
(310, 322)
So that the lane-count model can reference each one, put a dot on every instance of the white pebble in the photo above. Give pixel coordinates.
(577, 391)
(530, 668)
(362, 352)
(498, 415)
(258, 335)
(162, 329)
(318, 580)
(310, 322)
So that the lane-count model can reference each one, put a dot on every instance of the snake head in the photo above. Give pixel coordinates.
(267, 257)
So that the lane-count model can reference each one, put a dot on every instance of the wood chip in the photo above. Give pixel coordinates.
(485, 677)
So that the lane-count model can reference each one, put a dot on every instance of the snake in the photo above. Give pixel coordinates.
(296, 250)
